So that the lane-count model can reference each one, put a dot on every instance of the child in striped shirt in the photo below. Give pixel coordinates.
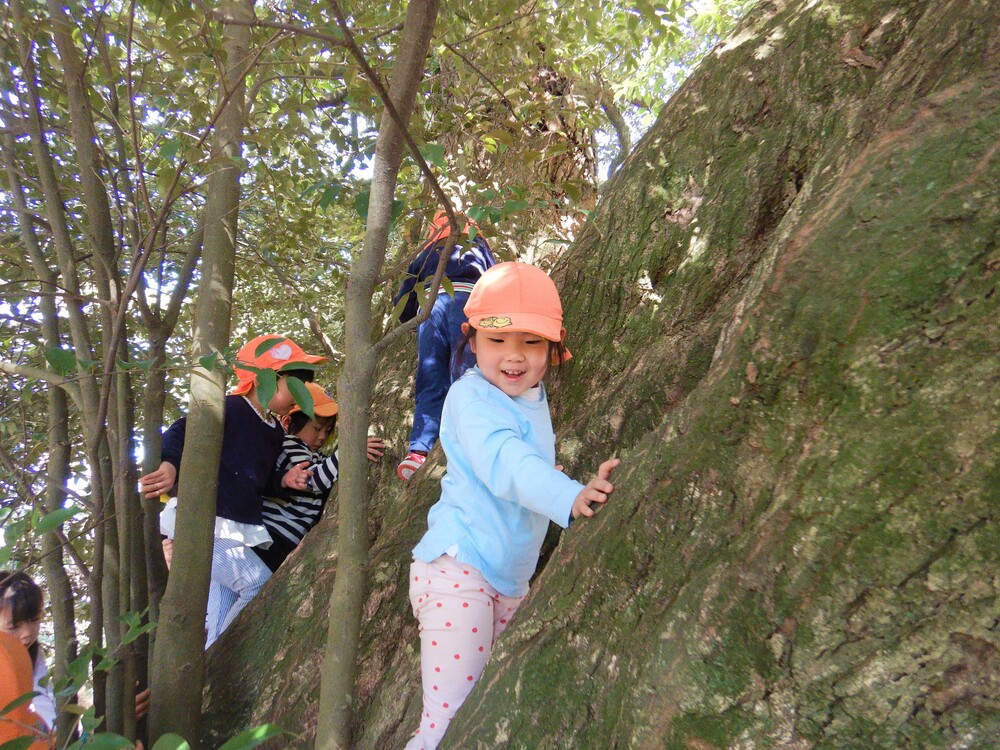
(289, 517)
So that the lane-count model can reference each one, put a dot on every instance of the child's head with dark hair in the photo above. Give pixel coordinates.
(306, 376)
(314, 432)
(514, 304)
(21, 609)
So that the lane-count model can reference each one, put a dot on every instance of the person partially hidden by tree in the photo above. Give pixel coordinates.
(22, 608)
(289, 518)
(251, 442)
(438, 336)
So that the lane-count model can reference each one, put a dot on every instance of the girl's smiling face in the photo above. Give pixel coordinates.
(513, 361)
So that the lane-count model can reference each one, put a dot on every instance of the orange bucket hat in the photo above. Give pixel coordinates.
(441, 228)
(323, 403)
(516, 297)
(269, 352)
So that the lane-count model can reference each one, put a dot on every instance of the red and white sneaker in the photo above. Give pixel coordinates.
(408, 466)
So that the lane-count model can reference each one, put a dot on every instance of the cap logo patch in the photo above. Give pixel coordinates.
(495, 321)
(281, 352)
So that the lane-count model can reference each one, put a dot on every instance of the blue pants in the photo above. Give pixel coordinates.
(437, 341)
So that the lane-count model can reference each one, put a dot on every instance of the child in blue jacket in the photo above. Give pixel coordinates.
(438, 336)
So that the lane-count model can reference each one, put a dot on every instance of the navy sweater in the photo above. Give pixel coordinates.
(463, 265)
(250, 450)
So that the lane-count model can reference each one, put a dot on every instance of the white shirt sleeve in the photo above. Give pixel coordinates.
(45, 704)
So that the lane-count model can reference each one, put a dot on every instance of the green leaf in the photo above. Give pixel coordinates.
(105, 741)
(79, 667)
(512, 207)
(478, 213)
(448, 286)
(171, 742)
(267, 385)
(433, 153)
(12, 532)
(501, 136)
(145, 364)
(330, 194)
(290, 366)
(55, 519)
(397, 310)
(208, 362)
(268, 344)
(169, 149)
(135, 625)
(361, 204)
(301, 395)
(572, 190)
(421, 292)
(19, 701)
(252, 737)
(20, 743)
(62, 360)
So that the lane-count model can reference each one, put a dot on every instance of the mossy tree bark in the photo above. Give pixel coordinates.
(783, 318)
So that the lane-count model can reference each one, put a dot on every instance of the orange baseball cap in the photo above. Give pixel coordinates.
(281, 354)
(323, 403)
(516, 297)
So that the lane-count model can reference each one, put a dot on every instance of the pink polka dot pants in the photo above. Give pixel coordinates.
(460, 617)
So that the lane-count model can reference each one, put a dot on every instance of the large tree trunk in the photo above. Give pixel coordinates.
(783, 318)
(178, 663)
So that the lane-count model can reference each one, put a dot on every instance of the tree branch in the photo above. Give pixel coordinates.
(37, 373)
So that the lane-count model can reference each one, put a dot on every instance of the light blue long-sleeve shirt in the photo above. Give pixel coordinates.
(501, 487)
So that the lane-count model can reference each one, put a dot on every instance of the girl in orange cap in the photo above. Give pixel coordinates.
(501, 489)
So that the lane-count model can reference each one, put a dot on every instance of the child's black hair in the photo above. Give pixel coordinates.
(557, 353)
(300, 419)
(23, 598)
(306, 376)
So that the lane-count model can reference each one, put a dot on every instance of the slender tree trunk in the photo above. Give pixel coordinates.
(178, 660)
(354, 390)
(154, 397)
(72, 302)
(61, 596)
(159, 327)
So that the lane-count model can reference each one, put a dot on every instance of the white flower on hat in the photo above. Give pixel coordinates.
(281, 352)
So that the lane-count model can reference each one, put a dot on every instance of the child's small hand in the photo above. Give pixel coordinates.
(297, 477)
(157, 482)
(376, 447)
(596, 491)
(143, 700)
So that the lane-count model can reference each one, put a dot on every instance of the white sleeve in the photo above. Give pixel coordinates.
(45, 704)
